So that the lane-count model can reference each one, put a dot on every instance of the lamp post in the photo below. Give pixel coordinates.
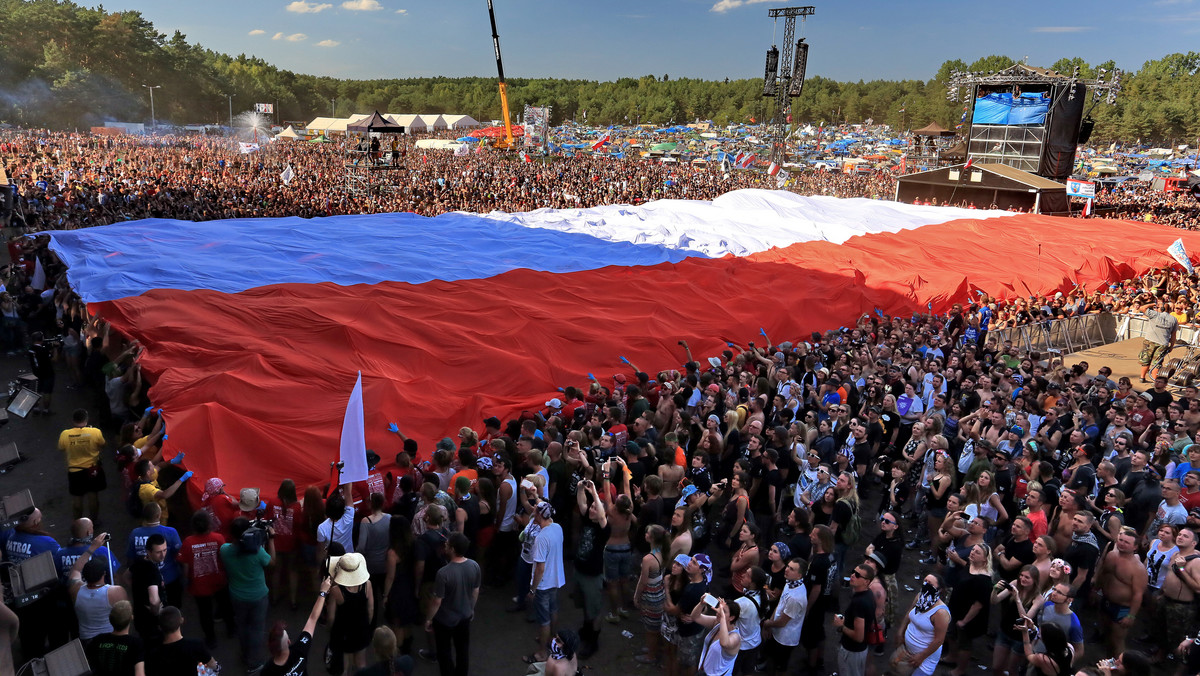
(230, 97)
(153, 119)
(332, 106)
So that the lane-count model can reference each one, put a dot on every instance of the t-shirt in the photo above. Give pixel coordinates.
(794, 604)
(822, 573)
(137, 548)
(146, 493)
(1069, 623)
(589, 551)
(246, 572)
(341, 532)
(178, 658)
(688, 599)
(1160, 327)
(297, 661)
(1021, 551)
(430, 547)
(66, 557)
(842, 513)
(200, 553)
(145, 575)
(548, 549)
(20, 546)
(82, 446)
(454, 586)
(287, 524)
(861, 604)
(1082, 553)
(114, 655)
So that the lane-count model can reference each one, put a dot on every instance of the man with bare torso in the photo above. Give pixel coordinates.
(1121, 578)
(1176, 611)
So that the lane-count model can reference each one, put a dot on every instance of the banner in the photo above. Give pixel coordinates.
(247, 148)
(1077, 188)
(1179, 253)
(265, 108)
(461, 150)
(287, 175)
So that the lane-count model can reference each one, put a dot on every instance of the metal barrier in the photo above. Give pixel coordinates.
(1067, 335)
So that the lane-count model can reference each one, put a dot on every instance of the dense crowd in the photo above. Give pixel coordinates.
(749, 513)
(1136, 200)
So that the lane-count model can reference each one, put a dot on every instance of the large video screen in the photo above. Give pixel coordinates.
(1029, 108)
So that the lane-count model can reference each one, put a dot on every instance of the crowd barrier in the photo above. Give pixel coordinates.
(1067, 335)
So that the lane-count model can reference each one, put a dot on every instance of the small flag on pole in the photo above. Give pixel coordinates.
(353, 451)
(1180, 254)
(773, 169)
(604, 139)
(970, 161)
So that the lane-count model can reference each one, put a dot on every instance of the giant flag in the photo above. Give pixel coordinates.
(251, 326)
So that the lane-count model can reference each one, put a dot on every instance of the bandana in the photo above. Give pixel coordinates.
(785, 552)
(212, 487)
(546, 510)
(484, 463)
(928, 598)
(556, 650)
(793, 584)
(687, 492)
(705, 564)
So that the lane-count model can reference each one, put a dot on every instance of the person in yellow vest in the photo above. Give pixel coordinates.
(85, 476)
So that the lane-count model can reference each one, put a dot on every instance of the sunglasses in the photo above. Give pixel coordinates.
(886, 520)
(857, 574)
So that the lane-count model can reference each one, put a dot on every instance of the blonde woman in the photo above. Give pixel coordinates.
(969, 605)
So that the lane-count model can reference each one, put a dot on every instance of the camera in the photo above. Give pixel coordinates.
(256, 536)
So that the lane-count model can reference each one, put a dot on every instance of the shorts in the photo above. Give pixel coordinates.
(1172, 621)
(1151, 353)
(545, 606)
(1114, 612)
(84, 481)
(618, 563)
(592, 589)
(689, 648)
(1015, 645)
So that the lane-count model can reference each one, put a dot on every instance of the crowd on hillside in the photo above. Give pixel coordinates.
(748, 513)
(1136, 201)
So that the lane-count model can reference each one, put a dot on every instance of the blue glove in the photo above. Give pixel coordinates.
(879, 312)
(731, 345)
(262, 504)
(166, 436)
(148, 410)
(591, 377)
(763, 332)
(393, 428)
(980, 292)
(624, 360)
(177, 459)
(929, 305)
(186, 475)
(561, 390)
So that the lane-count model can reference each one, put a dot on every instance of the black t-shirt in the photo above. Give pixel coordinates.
(842, 513)
(1021, 551)
(1084, 479)
(861, 604)
(430, 547)
(589, 549)
(821, 573)
(113, 655)
(891, 549)
(297, 661)
(762, 500)
(691, 595)
(179, 658)
(1159, 399)
(800, 545)
(1082, 553)
(145, 575)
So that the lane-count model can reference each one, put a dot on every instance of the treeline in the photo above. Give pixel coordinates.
(65, 66)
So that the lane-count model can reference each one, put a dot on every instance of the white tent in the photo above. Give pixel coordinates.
(339, 126)
(411, 122)
(460, 121)
(289, 133)
(433, 121)
(437, 144)
(321, 124)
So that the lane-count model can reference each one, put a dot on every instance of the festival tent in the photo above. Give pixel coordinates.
(320, 124)
(289, 133)
(932, 129)
(374, 124)
(254, 333)
(320, 139)
(413, 123)
(433, 121)
(460, 121)
(339, 126)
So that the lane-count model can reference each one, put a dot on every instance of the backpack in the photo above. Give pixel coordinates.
(853, 527)
(133, 501)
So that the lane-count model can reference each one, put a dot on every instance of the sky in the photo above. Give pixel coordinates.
(710, 39)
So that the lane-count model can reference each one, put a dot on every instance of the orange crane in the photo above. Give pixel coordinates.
(507, 141)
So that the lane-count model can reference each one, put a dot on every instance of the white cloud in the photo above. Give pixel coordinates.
(402, 11)
(302, 7)
(726, 5)
(294, 37)
(362, 5)
(258, 31)
(1061, 29)
(328, 43)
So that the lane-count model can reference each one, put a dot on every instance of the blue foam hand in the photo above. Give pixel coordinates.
(731, 345)
(178, 458)
(879, 312)
(929, 305)
(591, 377)
(624, 360)
(561, 390)
(186, 475)
(980, 292)
(166, 436)
(262, 504)
(393, 428)
(762, 331)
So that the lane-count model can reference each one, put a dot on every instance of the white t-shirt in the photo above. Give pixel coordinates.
(341, 532)
(793, 603)
(548, 549)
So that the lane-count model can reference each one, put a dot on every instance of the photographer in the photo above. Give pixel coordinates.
(246, 560)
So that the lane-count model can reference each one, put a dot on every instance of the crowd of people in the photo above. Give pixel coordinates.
(758, 511)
